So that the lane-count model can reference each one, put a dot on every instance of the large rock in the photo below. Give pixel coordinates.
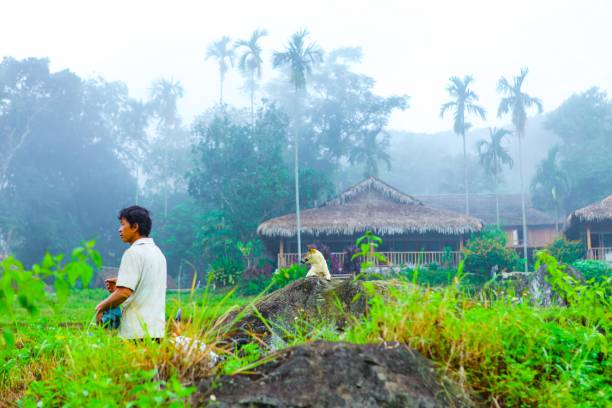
(309, 298)
(325, 374)
(536, 288)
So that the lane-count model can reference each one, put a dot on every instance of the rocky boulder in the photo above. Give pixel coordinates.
(536, 288)
(325, 374)
(312, 298)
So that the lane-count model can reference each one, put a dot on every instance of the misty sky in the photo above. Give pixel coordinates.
(409, 47)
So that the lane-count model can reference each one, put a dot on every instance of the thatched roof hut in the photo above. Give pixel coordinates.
(594, 218)
(375, 206)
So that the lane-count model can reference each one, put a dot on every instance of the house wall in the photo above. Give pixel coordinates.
(539, 236)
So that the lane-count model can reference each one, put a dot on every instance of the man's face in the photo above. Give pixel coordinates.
(127, 232)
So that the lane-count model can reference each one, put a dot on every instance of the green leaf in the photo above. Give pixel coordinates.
(62, 289)
(9, 338)
(87, 273)
(96, 259)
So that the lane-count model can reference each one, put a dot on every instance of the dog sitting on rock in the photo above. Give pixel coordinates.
(318, 266)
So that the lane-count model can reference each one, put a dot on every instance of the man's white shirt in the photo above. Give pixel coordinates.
(143, 269)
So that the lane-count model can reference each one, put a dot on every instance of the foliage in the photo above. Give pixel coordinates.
(593, 269)
(584, 124)
(367, 244)
(549, 186)
(62, 175)
(256, 279)
(566, 251)
(226, 270)
(515, 101)
(488, 249)
(501, 352)
(240, 171)
(283, 276)
(27, 287)
(300, 57)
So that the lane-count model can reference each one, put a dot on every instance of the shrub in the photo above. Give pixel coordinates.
(284, 276)
(255, 279)
(226, 270)
(593, 269)
(566, 251)
(488, 249)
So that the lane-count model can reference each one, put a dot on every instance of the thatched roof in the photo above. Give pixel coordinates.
(599, 212)
(375, 206)
(482, 206)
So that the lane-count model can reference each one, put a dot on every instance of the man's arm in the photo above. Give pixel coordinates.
(114, 299)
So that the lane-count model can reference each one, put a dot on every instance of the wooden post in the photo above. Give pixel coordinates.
(588, 238)
(281, 254)
(461, 243)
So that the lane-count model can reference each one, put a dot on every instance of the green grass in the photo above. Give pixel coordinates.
(62, 358)
(500, 351)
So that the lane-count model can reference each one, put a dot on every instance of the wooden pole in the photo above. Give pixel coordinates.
(588, 238)
(281, 254)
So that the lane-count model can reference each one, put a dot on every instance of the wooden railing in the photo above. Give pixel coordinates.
(602, 254)
(392, 258)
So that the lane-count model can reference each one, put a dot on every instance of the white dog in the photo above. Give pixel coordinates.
(318, 266)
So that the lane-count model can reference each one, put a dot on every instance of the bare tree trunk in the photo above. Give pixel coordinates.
(496, 202)
(297, 181)
(221, 75)
(252, 97)
(523, 209)
(465, 178)
(137, 184)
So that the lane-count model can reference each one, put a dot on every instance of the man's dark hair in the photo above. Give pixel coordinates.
(138, 215)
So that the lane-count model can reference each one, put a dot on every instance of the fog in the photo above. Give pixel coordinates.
(110, 104)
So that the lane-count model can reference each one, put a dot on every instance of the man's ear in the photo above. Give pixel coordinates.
(135, 227)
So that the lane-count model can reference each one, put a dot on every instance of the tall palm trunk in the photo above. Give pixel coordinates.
(296, 175)
(252, 97)
(465, 178)
(221, 78)
(524, 213)
(496, 201)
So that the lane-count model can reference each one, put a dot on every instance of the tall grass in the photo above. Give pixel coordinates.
(501, 349)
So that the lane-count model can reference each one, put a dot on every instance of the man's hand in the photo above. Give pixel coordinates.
(99, 311)
(111, 284)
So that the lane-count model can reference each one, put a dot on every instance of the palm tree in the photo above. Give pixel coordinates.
(164, 95)
(224, 54)
(250, 63)
(463, 102)
(550, 183)
(493, 156)
(300, 58)
(517, 102)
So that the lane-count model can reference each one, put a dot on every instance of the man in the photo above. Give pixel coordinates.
(141, 283)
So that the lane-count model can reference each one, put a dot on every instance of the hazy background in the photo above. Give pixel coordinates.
(117, 105)
(409, 47)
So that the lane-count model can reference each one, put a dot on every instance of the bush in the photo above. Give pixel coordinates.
(488, 249)
(284, 276)
(593, 269)
(255, 279)
(226, 270)
(566, 251)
